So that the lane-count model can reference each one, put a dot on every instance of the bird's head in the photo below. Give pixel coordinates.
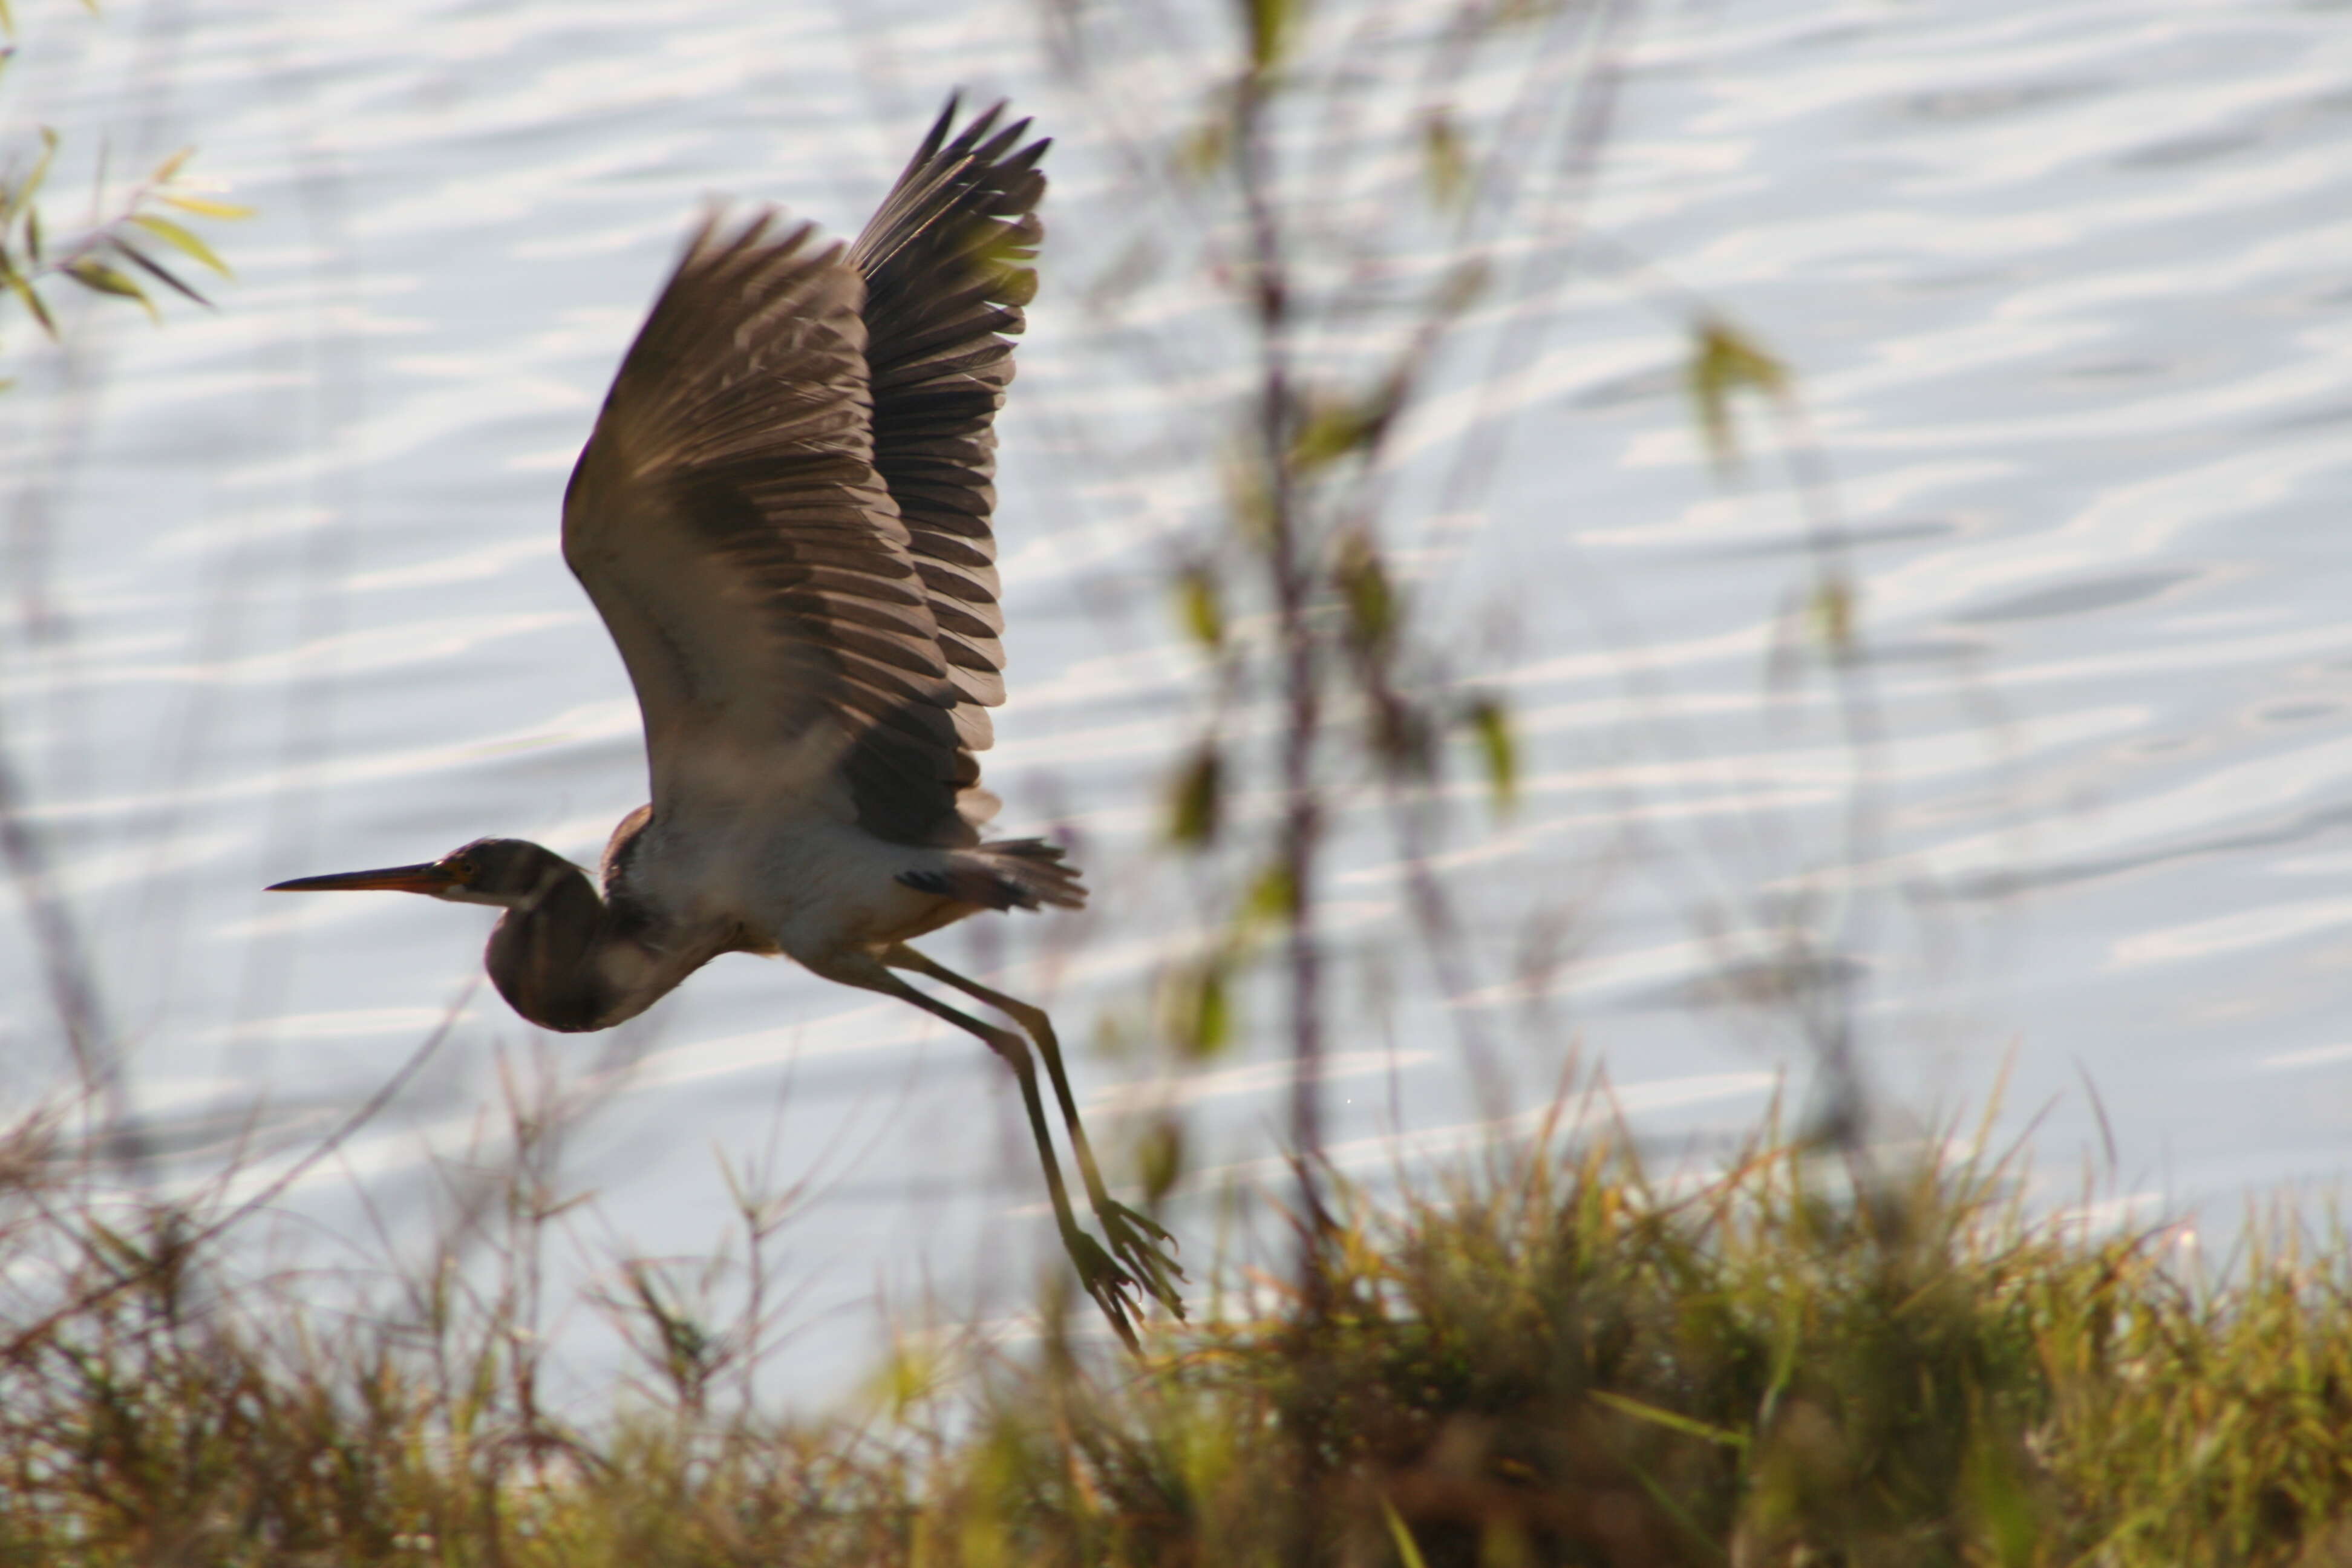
(510, 873)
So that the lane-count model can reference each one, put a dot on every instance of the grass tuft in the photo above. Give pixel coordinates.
(1547, 1359)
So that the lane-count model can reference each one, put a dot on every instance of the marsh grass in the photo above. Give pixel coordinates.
(1547, 1358)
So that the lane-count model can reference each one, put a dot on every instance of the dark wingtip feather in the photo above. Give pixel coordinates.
(937, 135)
(980, 126)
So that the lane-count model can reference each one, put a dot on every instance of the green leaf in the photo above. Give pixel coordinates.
(155, 270)
(1407, 1550)
(1329, 432)
(20, 286)
(1271, 898)
(1196, 804)
(1722, 362)
(1444, 161)
(1198, 608)
(1363, 582)
(1250, 501)
(1998, 1498)
(181, 240)
(22, 197)
(1206, 149)
(1331, 428)
(1196, 1007)
(1160, 1159)
(204, 206)
(906, 1377)
(100, 279)
(1208, 1015)
(1271, 22)
(1720, 1436)
(1490, 721)
(1831, 611)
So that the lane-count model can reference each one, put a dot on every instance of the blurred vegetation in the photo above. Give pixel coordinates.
(1391, 205)
(134, 239)
(131, 240)
(1549, 1359)
(1355, 182)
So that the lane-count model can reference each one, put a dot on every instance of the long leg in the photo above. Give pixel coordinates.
(1104, 1279)
(1119, 1222)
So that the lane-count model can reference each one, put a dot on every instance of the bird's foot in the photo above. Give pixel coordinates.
(1118, 1284)
(1111, 1285)
(1136, 1239)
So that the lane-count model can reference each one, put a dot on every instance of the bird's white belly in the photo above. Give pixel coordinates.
(806, 888)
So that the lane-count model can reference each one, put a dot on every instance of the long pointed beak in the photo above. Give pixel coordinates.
(429, 877)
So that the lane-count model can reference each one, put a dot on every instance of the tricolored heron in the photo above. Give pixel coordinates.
(782, 515)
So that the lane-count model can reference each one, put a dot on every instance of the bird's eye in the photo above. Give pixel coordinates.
(459, 866)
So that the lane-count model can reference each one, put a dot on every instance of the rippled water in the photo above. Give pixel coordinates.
(2068, 288)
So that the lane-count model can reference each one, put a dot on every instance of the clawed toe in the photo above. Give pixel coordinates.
(1113, 1290)
(1135, 1239)
(1133, 1267)
(1114, 1212)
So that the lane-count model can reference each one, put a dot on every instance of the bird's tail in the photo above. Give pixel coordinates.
(1034, 868)
(1012, 874)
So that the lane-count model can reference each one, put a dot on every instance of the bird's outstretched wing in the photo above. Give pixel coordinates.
(948, 265)
(727, 520)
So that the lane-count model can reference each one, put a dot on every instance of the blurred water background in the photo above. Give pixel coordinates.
(2068, 291)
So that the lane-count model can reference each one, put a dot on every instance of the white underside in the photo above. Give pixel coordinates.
(811, 889)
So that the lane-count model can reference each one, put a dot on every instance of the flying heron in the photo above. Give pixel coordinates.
(782, 515)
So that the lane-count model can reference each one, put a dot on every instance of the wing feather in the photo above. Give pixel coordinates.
(784, 515)
(947, 261)
(727, 520)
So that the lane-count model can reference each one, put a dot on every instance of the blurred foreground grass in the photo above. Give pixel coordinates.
(1546, 1359)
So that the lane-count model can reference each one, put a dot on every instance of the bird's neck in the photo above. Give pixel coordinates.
(568, 960)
